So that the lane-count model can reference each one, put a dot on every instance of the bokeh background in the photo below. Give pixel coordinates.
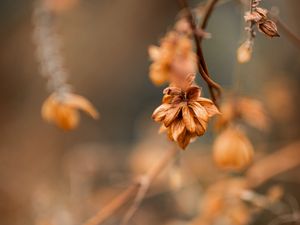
(45, 171)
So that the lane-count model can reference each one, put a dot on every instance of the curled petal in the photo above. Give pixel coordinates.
(188, 118)
(200, 112)
(160, 112)
(177, 128)
(172, 91)
(79, 102)
(184, 139)
(171, 115)
(200, 127)
(193, 93)
(209, 106)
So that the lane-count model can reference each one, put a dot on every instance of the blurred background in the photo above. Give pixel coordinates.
(51, 177)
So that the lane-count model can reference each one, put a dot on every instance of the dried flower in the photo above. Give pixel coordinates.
(244, 52)
(249, 110)
(269, 28)
(183, 112)
(174, 57)
(62, 109)
(232, 150)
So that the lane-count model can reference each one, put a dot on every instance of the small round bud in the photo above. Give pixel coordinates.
(244, 52)
(232, 150)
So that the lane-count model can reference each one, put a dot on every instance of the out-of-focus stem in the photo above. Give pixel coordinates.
(132, 190)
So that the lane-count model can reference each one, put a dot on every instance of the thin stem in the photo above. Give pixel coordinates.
(214, 88)
(133, 190)
(209, 9)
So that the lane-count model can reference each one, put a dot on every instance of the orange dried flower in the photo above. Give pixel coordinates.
(173, 57)
(249, 110)
(183, 113)
(63, 109)
(232, 150)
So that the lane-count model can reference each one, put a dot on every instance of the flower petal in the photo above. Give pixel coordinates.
(171, 115)
(160, 112)
(200, 112)
(177, 128)
(193, 93)
(200, 127)
(209, 106)
(184, 139)
(79, 102)
(188, 118)
(172, 91)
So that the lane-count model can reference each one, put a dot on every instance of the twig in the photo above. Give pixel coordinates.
(269, 167)
(134, 189)
(286, 30)
(209, 8)
(212, 86)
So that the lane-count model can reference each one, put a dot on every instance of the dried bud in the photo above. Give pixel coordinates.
(269, 28)
(232, 150)
(244, 52)
(63, 110)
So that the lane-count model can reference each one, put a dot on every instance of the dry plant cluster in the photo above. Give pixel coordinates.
(184, 113)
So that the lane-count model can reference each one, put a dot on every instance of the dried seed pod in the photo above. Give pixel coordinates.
(232, 150)
(269, 28)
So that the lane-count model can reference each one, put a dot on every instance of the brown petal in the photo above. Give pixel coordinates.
(188, 118)
(193, 93)
(160, 112)
(200, 127)
(209, 106)
(172, 91)
(167, 99)
(184, 139)
(177, 128)
(200, 112)
(79, 102)
(171, 115)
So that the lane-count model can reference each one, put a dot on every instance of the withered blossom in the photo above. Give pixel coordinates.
(249, 110)
(183, 113)
(62, 109)
(174, 57)
(232, 150)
